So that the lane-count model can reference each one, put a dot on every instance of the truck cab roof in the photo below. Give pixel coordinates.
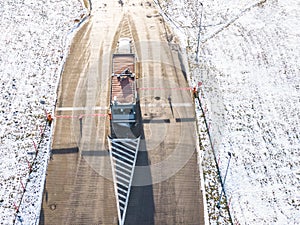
(124, 45)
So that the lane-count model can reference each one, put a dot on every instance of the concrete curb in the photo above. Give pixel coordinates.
(199, 159)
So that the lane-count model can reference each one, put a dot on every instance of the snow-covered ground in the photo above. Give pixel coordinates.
(33, 44)
(249, 67)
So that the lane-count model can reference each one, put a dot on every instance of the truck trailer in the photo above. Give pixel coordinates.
(123, 98)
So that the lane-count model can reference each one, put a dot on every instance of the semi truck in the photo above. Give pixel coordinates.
(124, 97)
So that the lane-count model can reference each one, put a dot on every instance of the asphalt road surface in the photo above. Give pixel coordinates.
(166, 186)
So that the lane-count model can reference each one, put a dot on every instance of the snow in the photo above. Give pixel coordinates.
(249, 66)
(33, 46)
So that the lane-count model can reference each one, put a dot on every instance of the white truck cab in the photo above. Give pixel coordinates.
(124, 45)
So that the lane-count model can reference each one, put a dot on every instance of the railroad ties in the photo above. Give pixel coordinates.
(123, 155)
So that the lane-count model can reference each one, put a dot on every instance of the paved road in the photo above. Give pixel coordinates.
(79, 187)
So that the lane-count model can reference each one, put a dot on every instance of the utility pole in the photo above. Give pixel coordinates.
(199, 33)
(219, 203)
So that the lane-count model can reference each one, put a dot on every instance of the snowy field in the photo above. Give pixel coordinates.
(33, 44)
(249, 67)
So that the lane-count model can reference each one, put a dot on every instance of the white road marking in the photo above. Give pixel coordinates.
(80, 108)
(167, 105)
(105, 108)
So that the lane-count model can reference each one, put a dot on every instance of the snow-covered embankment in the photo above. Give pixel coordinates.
(33, 44)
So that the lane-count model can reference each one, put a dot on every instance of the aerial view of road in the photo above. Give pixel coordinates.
(166, 183)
